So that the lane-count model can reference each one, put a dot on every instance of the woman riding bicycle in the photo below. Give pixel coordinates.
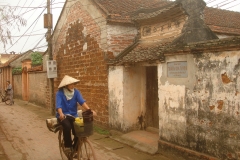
(9, 92)
(67, 99)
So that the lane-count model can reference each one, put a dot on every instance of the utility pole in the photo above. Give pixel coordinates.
(48, 25)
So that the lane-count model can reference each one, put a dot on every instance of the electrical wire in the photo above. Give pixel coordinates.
(104, 20)
(233, 6)
(121, 33)
(32, 29)
(44, 34)
(27, 35)
(27, 29)
(226, 3)
(21, 8)
(38, 43)
(82, 5)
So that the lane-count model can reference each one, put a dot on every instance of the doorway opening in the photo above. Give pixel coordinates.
(152, 118)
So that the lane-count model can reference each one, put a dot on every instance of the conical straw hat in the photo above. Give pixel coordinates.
(67, 80)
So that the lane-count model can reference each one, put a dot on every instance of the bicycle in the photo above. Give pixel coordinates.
(5, 98)
(83, 150)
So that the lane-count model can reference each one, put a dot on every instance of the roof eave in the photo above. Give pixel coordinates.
(232, 43)
(152, 14)
(116, 60)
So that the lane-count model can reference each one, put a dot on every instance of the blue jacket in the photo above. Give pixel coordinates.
(68, 106)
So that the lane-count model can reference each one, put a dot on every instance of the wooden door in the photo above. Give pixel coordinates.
(152, 119)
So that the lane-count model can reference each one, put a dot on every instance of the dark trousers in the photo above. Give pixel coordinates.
(68, 130)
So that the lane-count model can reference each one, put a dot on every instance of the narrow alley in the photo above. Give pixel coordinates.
(24, 136)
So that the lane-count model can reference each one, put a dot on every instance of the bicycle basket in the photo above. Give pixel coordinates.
(83, 131)
(87, 129)
(87, 116)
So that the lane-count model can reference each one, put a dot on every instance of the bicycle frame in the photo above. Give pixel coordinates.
(82, 150)
(5, 98)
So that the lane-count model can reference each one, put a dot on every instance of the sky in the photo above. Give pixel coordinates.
(32, 36)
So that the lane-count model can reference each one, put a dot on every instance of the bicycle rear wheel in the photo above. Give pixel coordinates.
(85, 150)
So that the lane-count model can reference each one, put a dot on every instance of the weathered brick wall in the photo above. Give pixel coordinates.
(76, 13)
(39, 89)
(84, 63)
(89, 67)
(17, 83)
(119, 38)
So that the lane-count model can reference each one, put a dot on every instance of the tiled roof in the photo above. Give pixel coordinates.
(144, 14)
(24, 56)
(145, 52)
(142, 51)
(222, 21)
(124, 11)
(121, 10)
(231, 43)
(16, 56)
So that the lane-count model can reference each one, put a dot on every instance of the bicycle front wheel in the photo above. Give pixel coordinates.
(7, 102)
(61, 147)
(85, 150)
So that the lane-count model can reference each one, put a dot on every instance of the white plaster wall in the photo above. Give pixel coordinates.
(224, 63)
(222, 36)
(127, 96)
(172, 118)
(201, 112)
(115, 85)
(216, 98)
(171, 92)
(188, 81)
(134, 96)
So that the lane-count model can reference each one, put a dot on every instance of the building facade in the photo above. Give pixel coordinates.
(172, 66)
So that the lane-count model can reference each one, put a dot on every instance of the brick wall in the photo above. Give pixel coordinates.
(84, 63)
(39, 89)
(17, 86)
(76, 14)
(119, 38)
(80, 45)
(89, 67)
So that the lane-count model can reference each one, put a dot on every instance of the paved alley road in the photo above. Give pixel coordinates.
(26, 137)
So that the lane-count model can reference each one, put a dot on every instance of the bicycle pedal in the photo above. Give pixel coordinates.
(75, 155)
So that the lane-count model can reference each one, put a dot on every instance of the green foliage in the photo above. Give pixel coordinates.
(16, 70)
(36, 58)
(100, 130)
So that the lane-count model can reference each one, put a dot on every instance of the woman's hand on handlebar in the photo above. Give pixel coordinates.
(94, 113)
(85, 106)
(61, 116)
